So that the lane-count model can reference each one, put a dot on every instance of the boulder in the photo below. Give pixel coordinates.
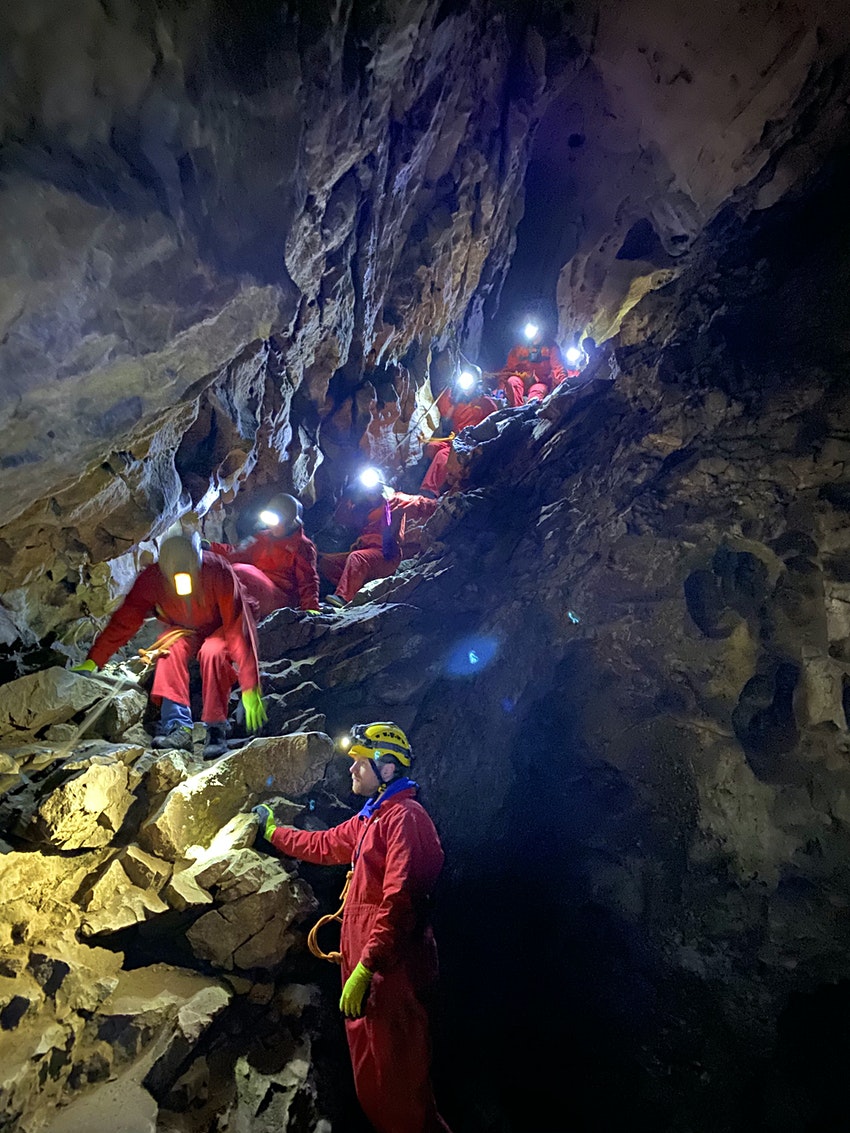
(87, 810)
(51, 696)
(198, 808)
(114, 902)
(251, 929)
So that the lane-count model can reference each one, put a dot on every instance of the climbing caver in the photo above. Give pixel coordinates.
(277, 567)
(198, 592)
(388, 955)
(384, 518)
(533, 368)
(463, 407)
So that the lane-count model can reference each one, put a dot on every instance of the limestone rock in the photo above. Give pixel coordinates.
(115, 902)
(50, 696)
(250, 929)
(87, 810)
(182, 892)
(144, 870)
(197, 809)
(266, 1101)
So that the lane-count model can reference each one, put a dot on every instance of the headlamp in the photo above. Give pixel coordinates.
(465, 380)
(370, 478)
(269, 518)
(183, 584)
(531, 330)
(573, 354)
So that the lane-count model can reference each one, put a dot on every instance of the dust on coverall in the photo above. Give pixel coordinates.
(276, 570)
(397, 858)
(390, 521)
(225, 634)
(543, 363)
(460, 415)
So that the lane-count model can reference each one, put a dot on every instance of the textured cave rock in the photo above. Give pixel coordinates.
(196, 241)
(113, 1001)
(227, 259)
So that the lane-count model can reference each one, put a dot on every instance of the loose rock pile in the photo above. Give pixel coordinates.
(114, 847)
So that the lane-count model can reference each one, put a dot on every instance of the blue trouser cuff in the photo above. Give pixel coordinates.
(174, 715)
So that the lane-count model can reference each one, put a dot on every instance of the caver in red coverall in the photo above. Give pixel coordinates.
(457, 415)
(377, 552)
(225, 634)
(397, 857)
(276, 570)
(544, 369)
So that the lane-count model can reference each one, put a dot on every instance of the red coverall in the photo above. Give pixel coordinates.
(225, 635)
(461, 415)
(396, 858)
(276, 571)
(545, 365)
(349, 570)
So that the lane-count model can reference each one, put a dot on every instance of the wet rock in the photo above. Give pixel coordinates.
(196, 810)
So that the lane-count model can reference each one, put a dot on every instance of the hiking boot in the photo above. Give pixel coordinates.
(177, 738)
(216, 744)
(335, 601)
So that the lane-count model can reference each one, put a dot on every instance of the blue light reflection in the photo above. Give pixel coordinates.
(470, 656)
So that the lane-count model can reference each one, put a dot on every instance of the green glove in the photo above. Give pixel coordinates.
(354, 992)
(266, 820)
(84, 667)
(255, 712)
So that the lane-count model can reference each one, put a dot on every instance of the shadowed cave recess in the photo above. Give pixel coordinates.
(242, 248)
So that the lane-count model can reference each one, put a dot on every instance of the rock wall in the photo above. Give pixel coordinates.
(140, 927)
(624, 663)
(227, 260)
(197, 240)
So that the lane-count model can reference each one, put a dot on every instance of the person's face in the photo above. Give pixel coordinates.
(364, 777)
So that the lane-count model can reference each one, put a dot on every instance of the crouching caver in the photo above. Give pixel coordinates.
(389, 958)
(197, 592)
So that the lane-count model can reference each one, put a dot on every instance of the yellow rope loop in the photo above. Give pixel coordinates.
(312, 935)
(162, 646)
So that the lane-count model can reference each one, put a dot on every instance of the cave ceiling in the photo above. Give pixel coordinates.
(232, 245)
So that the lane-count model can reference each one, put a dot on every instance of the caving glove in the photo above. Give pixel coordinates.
(255, 711)
(354, 992)
(389, 547)
(267, 822)
(84, 667)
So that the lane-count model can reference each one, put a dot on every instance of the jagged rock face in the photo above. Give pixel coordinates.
(196, 242)
(623, 663)
(114, 847)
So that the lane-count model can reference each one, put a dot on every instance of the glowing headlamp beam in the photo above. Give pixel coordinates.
(183, 584)
(573, 354)
(531, 330)
(370, 478)
(465, 380)
(269, 518)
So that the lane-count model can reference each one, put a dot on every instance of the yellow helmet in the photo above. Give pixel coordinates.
(374, 741)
